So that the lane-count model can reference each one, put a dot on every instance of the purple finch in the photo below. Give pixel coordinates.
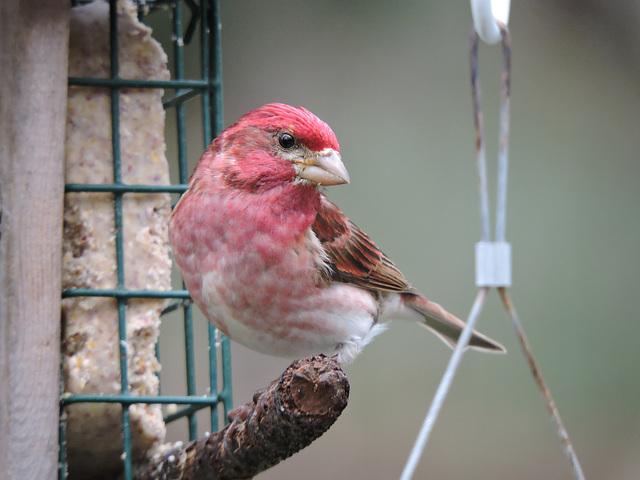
(272, 262)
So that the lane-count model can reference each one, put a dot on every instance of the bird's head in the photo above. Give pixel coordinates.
(278, 144)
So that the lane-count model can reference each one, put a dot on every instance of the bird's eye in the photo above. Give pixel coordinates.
(286, 141)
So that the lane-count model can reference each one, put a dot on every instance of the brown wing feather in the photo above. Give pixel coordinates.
(354, 257)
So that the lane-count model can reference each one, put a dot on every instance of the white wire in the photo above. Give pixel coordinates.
(443, 388)
(485, 13)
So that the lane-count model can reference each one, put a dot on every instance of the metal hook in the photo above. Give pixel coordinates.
(193, 21)
(486, 15)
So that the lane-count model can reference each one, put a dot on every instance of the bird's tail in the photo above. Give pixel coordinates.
(446, 326)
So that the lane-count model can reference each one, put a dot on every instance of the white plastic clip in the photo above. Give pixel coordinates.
(485, 13)
(493, 264)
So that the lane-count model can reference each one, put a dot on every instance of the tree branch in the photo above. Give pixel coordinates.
(283, 418)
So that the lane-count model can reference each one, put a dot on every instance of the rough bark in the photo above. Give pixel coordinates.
(282, 419)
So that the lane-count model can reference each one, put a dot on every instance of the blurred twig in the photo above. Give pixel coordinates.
(282, 419)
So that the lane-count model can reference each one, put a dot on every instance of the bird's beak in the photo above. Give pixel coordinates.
(325, 168)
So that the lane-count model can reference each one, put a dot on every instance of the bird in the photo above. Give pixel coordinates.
(272, 262)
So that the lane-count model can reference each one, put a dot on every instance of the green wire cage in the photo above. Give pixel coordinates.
(195, 25)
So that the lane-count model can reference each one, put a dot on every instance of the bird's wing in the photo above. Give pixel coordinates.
(354, 257)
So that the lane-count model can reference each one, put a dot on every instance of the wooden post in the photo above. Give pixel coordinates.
(33, 90)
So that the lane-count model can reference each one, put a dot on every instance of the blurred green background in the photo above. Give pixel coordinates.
(392, 80)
